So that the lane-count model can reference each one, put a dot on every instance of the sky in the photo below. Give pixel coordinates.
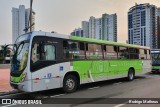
(63, 16)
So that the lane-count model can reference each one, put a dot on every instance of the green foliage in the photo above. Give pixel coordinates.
(3, 52)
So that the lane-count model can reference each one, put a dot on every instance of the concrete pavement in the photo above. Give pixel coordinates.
(5, 78)
(146, 86)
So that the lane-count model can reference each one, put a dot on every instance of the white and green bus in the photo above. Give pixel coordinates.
(44, 61)
(155, 53)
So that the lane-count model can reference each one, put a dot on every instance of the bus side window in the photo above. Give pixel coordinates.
(148, 54)
(42, 52)
(110, 52)
(94, 51)
(142, 54)
(65, 50)
(133, 53)
(73, 50)
(35, 53)
(123, 53)
(81, 50)
(48, 52)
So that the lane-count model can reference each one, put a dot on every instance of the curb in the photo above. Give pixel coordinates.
(2, 93)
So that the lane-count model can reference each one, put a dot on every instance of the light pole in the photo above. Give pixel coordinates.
(31, 2)
(29, 26)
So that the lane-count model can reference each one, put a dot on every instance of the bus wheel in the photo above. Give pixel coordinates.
(130, 75)
(70, 84)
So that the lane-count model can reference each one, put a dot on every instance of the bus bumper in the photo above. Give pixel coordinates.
(15, 86)
(24, 86)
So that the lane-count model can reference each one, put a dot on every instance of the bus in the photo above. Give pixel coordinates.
(155, 53)
(44, 61)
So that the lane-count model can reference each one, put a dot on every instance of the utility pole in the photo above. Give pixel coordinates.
(31, 2)
(29, 26)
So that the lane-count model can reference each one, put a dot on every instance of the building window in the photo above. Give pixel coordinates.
(143, 18)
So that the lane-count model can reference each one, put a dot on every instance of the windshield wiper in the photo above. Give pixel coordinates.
(22, 43)
(14, 59)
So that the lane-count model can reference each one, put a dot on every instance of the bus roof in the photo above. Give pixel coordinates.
(106, 42)
(86, 39)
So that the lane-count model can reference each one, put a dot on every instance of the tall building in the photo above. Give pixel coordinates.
(20, 18)
(98, 28)
(77, 32)
(92, 27)
(142, 25)
(158, 28)
(85, 28)
(104, 28)
(109, 27)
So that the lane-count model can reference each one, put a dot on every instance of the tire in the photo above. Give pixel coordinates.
(153, 72)
(131, 75)
(70, 84)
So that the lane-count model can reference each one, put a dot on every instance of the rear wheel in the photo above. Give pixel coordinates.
(70, 84)
(130, 75)
(155, 72)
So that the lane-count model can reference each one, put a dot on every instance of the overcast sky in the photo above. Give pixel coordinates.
(63, 16)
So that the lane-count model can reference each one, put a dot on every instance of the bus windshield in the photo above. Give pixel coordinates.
(19, 60)
(155, 58)
(20, 56)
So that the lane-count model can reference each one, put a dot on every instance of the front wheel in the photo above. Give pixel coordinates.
(130, 75)
(70, 84)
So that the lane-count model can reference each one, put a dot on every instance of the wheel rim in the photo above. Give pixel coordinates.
(70, 84)
(131, 75)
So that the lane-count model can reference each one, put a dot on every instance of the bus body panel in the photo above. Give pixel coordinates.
(49, 77)
(89, 71)
(92, 71)
(22, 86)
(147, 66)
(23, 82)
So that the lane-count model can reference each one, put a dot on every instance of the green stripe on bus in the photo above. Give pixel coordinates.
(105, 42)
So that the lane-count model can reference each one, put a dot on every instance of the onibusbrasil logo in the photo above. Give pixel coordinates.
(15, 102)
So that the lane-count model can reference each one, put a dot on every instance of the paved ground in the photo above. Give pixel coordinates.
(5, 66)
(146, 86)
(4, 77)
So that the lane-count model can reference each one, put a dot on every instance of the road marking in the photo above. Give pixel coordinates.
(57, 95)
(9, 105)
(117, 83)
(119, 105)
(45, 97)
(94, 88)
